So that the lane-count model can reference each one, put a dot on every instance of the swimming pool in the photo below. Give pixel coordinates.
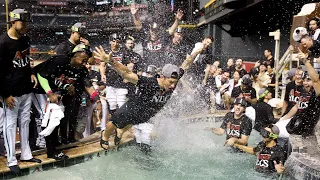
(188, 152)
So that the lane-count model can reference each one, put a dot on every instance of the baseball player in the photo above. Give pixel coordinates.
(16, 81)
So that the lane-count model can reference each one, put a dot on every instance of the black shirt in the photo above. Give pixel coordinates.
(236, 127)
(136, 59)
(293, 93)
(64, 48)
(175, 54)
(266, 156)
(60, 74)
(15, 70)
(269, 62)
(249, 92)
(264, 115)
(153, 51)
(148, 100)
(113, 78)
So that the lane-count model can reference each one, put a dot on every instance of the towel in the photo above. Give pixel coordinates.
(54, 113)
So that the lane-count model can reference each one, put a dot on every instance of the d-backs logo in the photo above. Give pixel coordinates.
(117, 58)
(294, 96)
(234, 130)
(263, 161)
(161, 97)
(303, 101)
(63, 82)
(154, 46)
(21, 59)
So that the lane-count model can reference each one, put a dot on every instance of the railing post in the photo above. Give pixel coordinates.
(276, 35)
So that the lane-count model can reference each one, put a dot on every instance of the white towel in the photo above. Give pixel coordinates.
(54, 113)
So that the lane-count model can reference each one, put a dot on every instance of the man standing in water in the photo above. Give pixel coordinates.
(270, 156)
(236, 125)
(151, 96)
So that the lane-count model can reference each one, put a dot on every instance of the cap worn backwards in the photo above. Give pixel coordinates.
(170, 71)
(263, 92)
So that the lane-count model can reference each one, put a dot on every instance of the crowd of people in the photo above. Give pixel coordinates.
(68, 97)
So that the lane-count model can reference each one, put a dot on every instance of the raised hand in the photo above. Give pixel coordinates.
(100, 54)
(302, 56)
(133, 8)
(179, 14)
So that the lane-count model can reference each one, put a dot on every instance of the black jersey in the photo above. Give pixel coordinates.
(60, 74)
(15, 70)
(148, 100)
(236, 127)
(266, 156)
(64, 48)
(292, 96)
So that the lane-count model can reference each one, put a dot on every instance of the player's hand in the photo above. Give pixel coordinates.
(279, 167)
(133, 8)
(230, 142)
(10, 102)
(104, 78)
(54, 98)
(34, 80)
(179, 15)
(71, 90)
(302, 56)
(100, 54)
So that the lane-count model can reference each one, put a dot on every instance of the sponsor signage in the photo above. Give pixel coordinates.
(53, 2)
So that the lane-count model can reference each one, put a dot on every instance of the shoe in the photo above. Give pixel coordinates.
(15, 169)
(103, 142)
(59, 156)
(32, 160)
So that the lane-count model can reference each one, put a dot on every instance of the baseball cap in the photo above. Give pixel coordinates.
(305, 75)
(151, 69)
(19, 15)
(291, 73)
(80, 28)
(246, 80)
(298, 33)
(275, 129)
(170, 71)
(82, 48)
(263, 92)
(115, 36)
(241, 101)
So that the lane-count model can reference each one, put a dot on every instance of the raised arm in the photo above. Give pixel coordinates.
(189, 60)
(311, 72)
(121, 69)
(134, 16)
(175, 25)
